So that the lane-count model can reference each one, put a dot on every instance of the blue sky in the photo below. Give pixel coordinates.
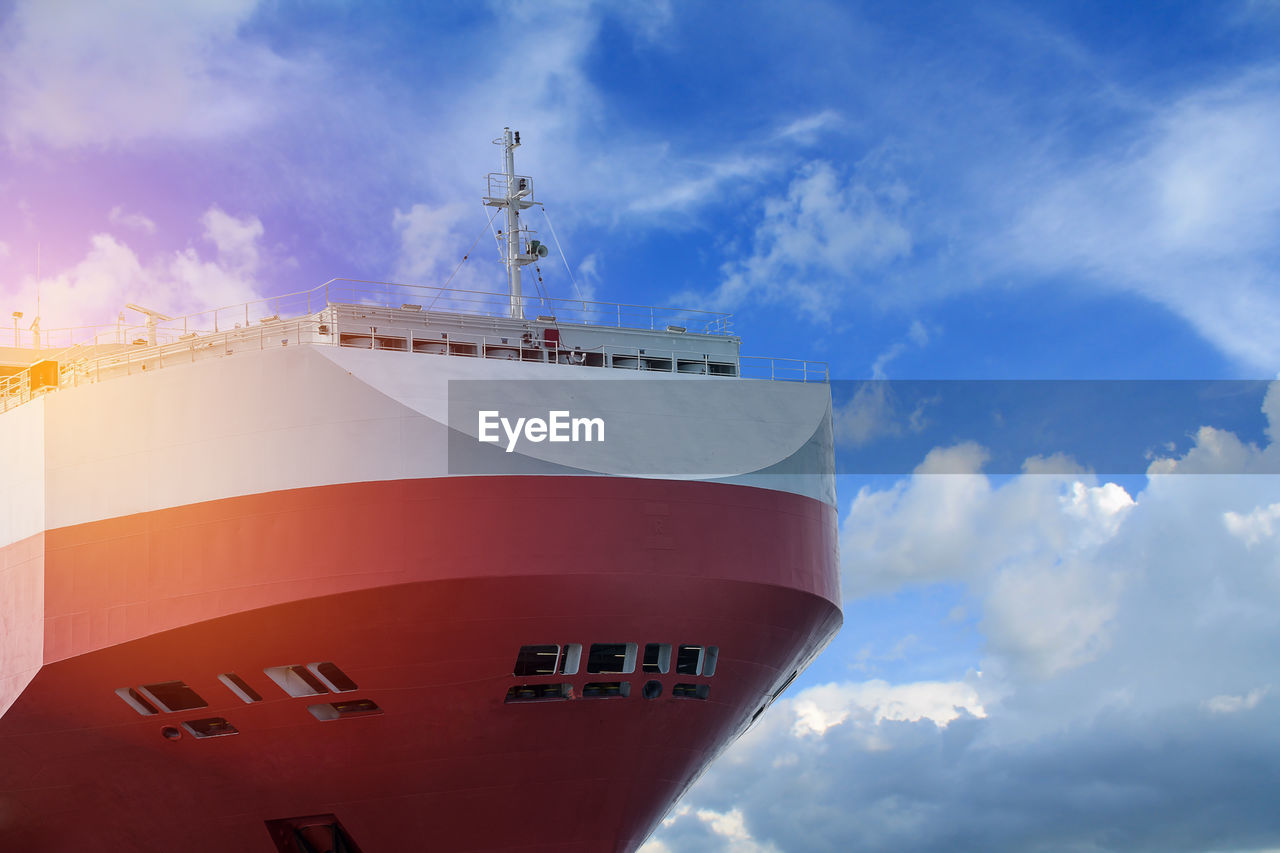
(1041, 661)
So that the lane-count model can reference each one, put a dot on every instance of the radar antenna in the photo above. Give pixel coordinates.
(152, 318)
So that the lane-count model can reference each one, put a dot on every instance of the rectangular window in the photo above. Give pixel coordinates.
(344, 710)
(314, 832)
(332, 677)
(240, 687)
(657, 657)
(606, 689)
(296, 680)
(537, 692)
(709, 661)
(689, 660)
(570, 658)
(690, 691)
(536, 660)
(137, 701)
(210, 727)
(173, 696)
(612, 657)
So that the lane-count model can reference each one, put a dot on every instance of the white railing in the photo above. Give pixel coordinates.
(497, 184)
(297, 318)
(783, 369)
(388, 295)
(497, 304)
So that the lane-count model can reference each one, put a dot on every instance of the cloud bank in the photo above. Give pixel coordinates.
(1123, 696)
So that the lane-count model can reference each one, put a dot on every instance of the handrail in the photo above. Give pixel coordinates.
(496, 304)
(303, 310)
(360, 291)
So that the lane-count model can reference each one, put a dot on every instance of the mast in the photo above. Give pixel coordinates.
(515, 193)
(513, 226)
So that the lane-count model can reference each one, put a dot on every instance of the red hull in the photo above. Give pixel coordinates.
(423, 592)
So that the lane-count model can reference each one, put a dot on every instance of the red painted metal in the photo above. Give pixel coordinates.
(422, 592)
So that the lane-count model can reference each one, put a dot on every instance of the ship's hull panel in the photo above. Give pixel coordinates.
(422, 592)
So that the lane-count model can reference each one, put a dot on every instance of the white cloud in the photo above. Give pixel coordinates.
(1185, 213)
(1228, 704)
(236, 238)
(133, 221)
(1255, 526)
(813, 243)
(709, 828)
(808, 128)
(821, 708)
(1044, 618)
(731, 827)
(433, 241)
(588, 278)
(917, 335)
(699, 184)
(869, 414)
(95, 289)
(109, 72)
(1219, 451)
(1099, 509)
(1105, 620)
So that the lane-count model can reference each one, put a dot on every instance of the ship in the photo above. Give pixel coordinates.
(270, 582)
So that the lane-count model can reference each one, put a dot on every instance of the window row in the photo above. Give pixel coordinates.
(601, 690)
(168, 697)
(619, 658)
(220, 727)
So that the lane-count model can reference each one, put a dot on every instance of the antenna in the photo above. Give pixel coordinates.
(152, 317)
(516, 195)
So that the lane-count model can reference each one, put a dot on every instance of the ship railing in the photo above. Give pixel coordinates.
(552, 309)
(14, 391)
(297, 317)
(497, 183)
(648, 359)
(516, 347)
(783, 369)
(381, 294)
(138, 359)
(314, 331)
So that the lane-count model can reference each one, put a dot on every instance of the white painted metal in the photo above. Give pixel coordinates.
(513, 225)
(300, 416)
(515, 193)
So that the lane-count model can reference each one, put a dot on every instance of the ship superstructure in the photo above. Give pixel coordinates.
(262, 590)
